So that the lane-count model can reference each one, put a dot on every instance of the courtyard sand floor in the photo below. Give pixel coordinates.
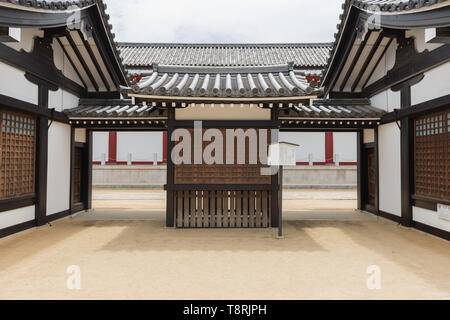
(130, 255)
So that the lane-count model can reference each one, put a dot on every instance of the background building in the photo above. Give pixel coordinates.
(140, 59)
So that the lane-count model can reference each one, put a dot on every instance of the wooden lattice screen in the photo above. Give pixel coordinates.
(223, 173)
(432, 156)
(222, 209)
(245, 202)
(17, 148)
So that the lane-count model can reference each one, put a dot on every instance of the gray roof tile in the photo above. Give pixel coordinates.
(226, 82)
(224, 55)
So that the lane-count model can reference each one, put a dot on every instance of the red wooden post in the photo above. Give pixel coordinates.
(112, 150)
(329, 148)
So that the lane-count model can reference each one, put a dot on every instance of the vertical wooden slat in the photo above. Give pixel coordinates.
(219, 215)
(258, 209)
(233, 209)
(251, 209)
(179, 208)
(192, 210)
(239, 215)
(186, 209)
(265, 206)
(206, 209)
(225, 208)
(245, 209)
(212, 209)
(199, 211)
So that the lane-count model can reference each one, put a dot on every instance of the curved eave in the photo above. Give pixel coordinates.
(221, 99)
(26, 17)
(427, 17)
(431, 16)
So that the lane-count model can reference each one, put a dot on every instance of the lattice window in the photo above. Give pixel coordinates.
(17, 149)
(432, 156)
(223, 173)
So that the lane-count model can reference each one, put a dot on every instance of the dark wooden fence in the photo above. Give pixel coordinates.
(222, 208)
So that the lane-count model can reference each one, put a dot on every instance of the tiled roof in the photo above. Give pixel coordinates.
(52, 5)
(111, 108)
(320, 109)
(225, 82)
(81, 4)
(224, 55)
(394, 5)
(385, 6)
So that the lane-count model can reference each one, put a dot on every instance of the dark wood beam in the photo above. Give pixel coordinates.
(41, 160)
(94, 60)
(71, 63)
(81, 60)
(378, 62)
(368, 60)
(417, 110)
(32, 109)
(33, 65)
(420, 63)
(362, 46)
(406, 159)
(170, 209)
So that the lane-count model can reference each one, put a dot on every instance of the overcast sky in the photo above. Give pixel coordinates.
(224, 21)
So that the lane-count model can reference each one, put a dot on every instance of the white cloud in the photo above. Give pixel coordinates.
(224, 21)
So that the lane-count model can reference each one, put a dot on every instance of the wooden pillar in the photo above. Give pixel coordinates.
(360, 170)
(377, 174)
(406, 166)
(41, 160)
(72, 161)
(329, 148)
(407, 150)
(170, 213)
(87, 181)
(275, 181)
(112, 148)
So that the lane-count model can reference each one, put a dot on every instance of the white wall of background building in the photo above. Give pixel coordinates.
(142, 146)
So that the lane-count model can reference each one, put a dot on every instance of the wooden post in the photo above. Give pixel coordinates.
(170, 213)
(41, 160)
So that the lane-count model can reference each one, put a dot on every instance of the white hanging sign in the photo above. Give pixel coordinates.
(282, 154)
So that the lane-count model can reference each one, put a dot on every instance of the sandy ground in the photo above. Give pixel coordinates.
(130, 255)
(294, 200)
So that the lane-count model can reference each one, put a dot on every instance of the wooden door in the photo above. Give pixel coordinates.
(371, 177)
(77, 175)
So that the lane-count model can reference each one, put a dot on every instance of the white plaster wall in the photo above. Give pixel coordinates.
(14, 217)
(61, 99)
(386, 64)
(421, 45)
(387, 100)
(345, 146)
(310, 142)
(63, 64)
(389, 166)
(435, 84)
(14, 84)
(100, 145)
(58, 176)
(142, 145)
(27, 36)
(430, 218)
